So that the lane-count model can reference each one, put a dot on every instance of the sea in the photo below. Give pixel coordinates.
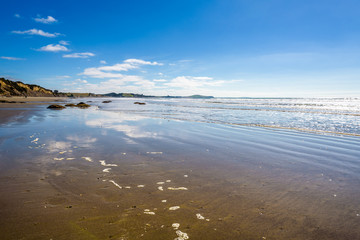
(319, 115)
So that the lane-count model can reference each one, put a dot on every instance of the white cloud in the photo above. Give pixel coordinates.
(35, 31)
(118, 67)
(53, 48)
(12, 58)
(62, 42)
(193, 82)
(79, 55)
(17, 15)
(103, 62)
(106, 71)
(63, 76)
(159, 80)
(141, 62)
(47, 20)
(97, 73)
(80, 81)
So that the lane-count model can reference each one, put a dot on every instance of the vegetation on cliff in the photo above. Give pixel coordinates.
(10, 88)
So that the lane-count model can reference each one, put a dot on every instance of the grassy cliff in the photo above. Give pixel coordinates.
(11, 88)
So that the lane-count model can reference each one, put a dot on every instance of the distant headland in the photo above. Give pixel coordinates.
(10, 88)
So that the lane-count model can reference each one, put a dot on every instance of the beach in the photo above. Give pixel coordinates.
(177, 169)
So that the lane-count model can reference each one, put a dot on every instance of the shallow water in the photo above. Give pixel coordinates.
(245, 182)
(313, 114)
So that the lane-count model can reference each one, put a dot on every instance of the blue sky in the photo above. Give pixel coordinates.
(227, 48)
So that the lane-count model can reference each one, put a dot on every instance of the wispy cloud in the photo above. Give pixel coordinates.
(63, 76)
(62, 42)
(103, 62)
(141, 62)
(193, 82)
(35, 31)
(12, 58)
(47, 20)
(53, 48)
(79, 55)
(17, 15)
(107, 71)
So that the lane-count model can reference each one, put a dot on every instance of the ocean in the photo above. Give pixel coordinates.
(321, 115)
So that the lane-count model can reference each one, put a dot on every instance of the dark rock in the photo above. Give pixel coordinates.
(55, 106)
(107, 101)
(70, 105)
(82, 105)
(140, 103)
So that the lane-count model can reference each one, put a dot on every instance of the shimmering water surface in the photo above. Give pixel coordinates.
(323, 115)
(181, 168)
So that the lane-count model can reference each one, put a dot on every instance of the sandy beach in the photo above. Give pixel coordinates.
(95, 174)
(21, 107)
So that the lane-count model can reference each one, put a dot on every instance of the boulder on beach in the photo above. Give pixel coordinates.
(82, 105)
(56, 107)
(107, 101)
(70, 105)
(140, 103)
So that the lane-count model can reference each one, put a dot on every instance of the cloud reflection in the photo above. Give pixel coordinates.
(122, 123)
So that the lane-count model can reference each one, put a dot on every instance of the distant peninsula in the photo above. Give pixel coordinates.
(10, 88)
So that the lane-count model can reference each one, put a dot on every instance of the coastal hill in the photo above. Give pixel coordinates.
(10, 88)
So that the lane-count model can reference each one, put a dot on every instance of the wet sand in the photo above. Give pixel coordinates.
(21, 108)
(91, 174)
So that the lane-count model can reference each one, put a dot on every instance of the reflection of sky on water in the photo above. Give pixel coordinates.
(57, 146)
(125, 123)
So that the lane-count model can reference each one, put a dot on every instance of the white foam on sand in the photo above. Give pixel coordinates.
(178, 188)
(70, 159)
(186, 176)
(154, 152)
(140, 186)
(181, 235)
(62, 152)
(164, 201)
(148, 212)
(117, 185)
(35, 140)
(168, 181)
(87, 159)
(160, 183)
(161, 188)
(102, 162)
(107, 170)
(58, 159)
(176, 226)
(174, 208)
(127, 187)
(199, 216)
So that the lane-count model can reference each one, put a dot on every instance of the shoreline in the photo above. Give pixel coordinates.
(24, 107)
